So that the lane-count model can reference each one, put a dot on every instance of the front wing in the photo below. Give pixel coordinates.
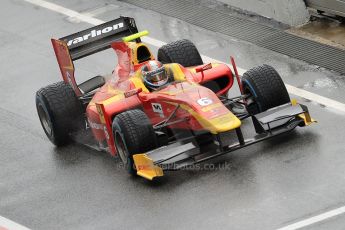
(185, 153)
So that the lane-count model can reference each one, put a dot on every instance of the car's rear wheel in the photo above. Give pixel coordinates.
(265, 88)
(182, 52)
(133, 134)
(60, 112)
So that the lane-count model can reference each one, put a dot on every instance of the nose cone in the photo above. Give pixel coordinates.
(213, 116)
(203, 105)
(220, 123)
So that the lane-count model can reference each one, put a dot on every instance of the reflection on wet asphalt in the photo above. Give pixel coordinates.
(268, 185)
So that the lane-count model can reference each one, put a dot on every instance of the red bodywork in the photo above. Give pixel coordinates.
(120, 93)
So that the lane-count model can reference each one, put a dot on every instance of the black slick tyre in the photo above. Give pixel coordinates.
(182, 52)
(60, 112)
(133, 133)
(265, 88)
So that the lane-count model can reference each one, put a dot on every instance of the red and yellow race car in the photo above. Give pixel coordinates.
(162, 114)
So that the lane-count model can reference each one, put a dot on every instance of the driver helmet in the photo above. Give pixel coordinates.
(154, 75)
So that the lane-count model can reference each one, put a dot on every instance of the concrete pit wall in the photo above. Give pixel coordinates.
(290, 12)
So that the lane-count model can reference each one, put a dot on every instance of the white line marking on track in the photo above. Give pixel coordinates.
(94, 21)
(68, 12)
(6, 224)
(314, 219)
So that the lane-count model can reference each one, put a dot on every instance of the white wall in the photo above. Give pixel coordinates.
(291, 12)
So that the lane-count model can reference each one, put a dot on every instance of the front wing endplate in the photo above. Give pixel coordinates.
(145, 167)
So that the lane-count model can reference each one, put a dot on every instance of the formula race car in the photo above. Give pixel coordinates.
(162, 114)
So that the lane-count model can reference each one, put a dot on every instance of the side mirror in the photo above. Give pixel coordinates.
(133, 92)
(203, 68)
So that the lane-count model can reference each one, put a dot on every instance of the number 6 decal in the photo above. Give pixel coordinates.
(204, 101)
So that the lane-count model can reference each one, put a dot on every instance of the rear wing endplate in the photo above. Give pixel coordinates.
(78, 45)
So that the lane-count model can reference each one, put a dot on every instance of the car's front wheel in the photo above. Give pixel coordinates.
(265, 89)
(133, 134)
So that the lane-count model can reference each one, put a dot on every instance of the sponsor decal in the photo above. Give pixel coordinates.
(154, 72)
(106, 132)
(95, 125)
(205, 101)
(69, 79)
(157, 108)
(100, 112)
(98, 126)
(95, 33)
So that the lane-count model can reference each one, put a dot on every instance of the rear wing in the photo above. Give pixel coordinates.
(86, 42)
(99, 38)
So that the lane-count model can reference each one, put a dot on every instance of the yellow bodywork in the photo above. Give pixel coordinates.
(175, 70)
(135, 36)
(307, 119)
(145, 167)
(218, 124)
(305, 116)
(134, 46)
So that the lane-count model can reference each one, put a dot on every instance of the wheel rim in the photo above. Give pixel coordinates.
(252, 105)
(45, 121)
(121, 148)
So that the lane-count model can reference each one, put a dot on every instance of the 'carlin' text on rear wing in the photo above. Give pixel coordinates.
(81, 44)
(99, 38)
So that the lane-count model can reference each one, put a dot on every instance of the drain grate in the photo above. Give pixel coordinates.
(270, 38)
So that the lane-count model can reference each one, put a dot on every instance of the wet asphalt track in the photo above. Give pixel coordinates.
(268, 185)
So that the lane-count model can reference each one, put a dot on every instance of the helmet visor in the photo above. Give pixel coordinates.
(155, 76)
